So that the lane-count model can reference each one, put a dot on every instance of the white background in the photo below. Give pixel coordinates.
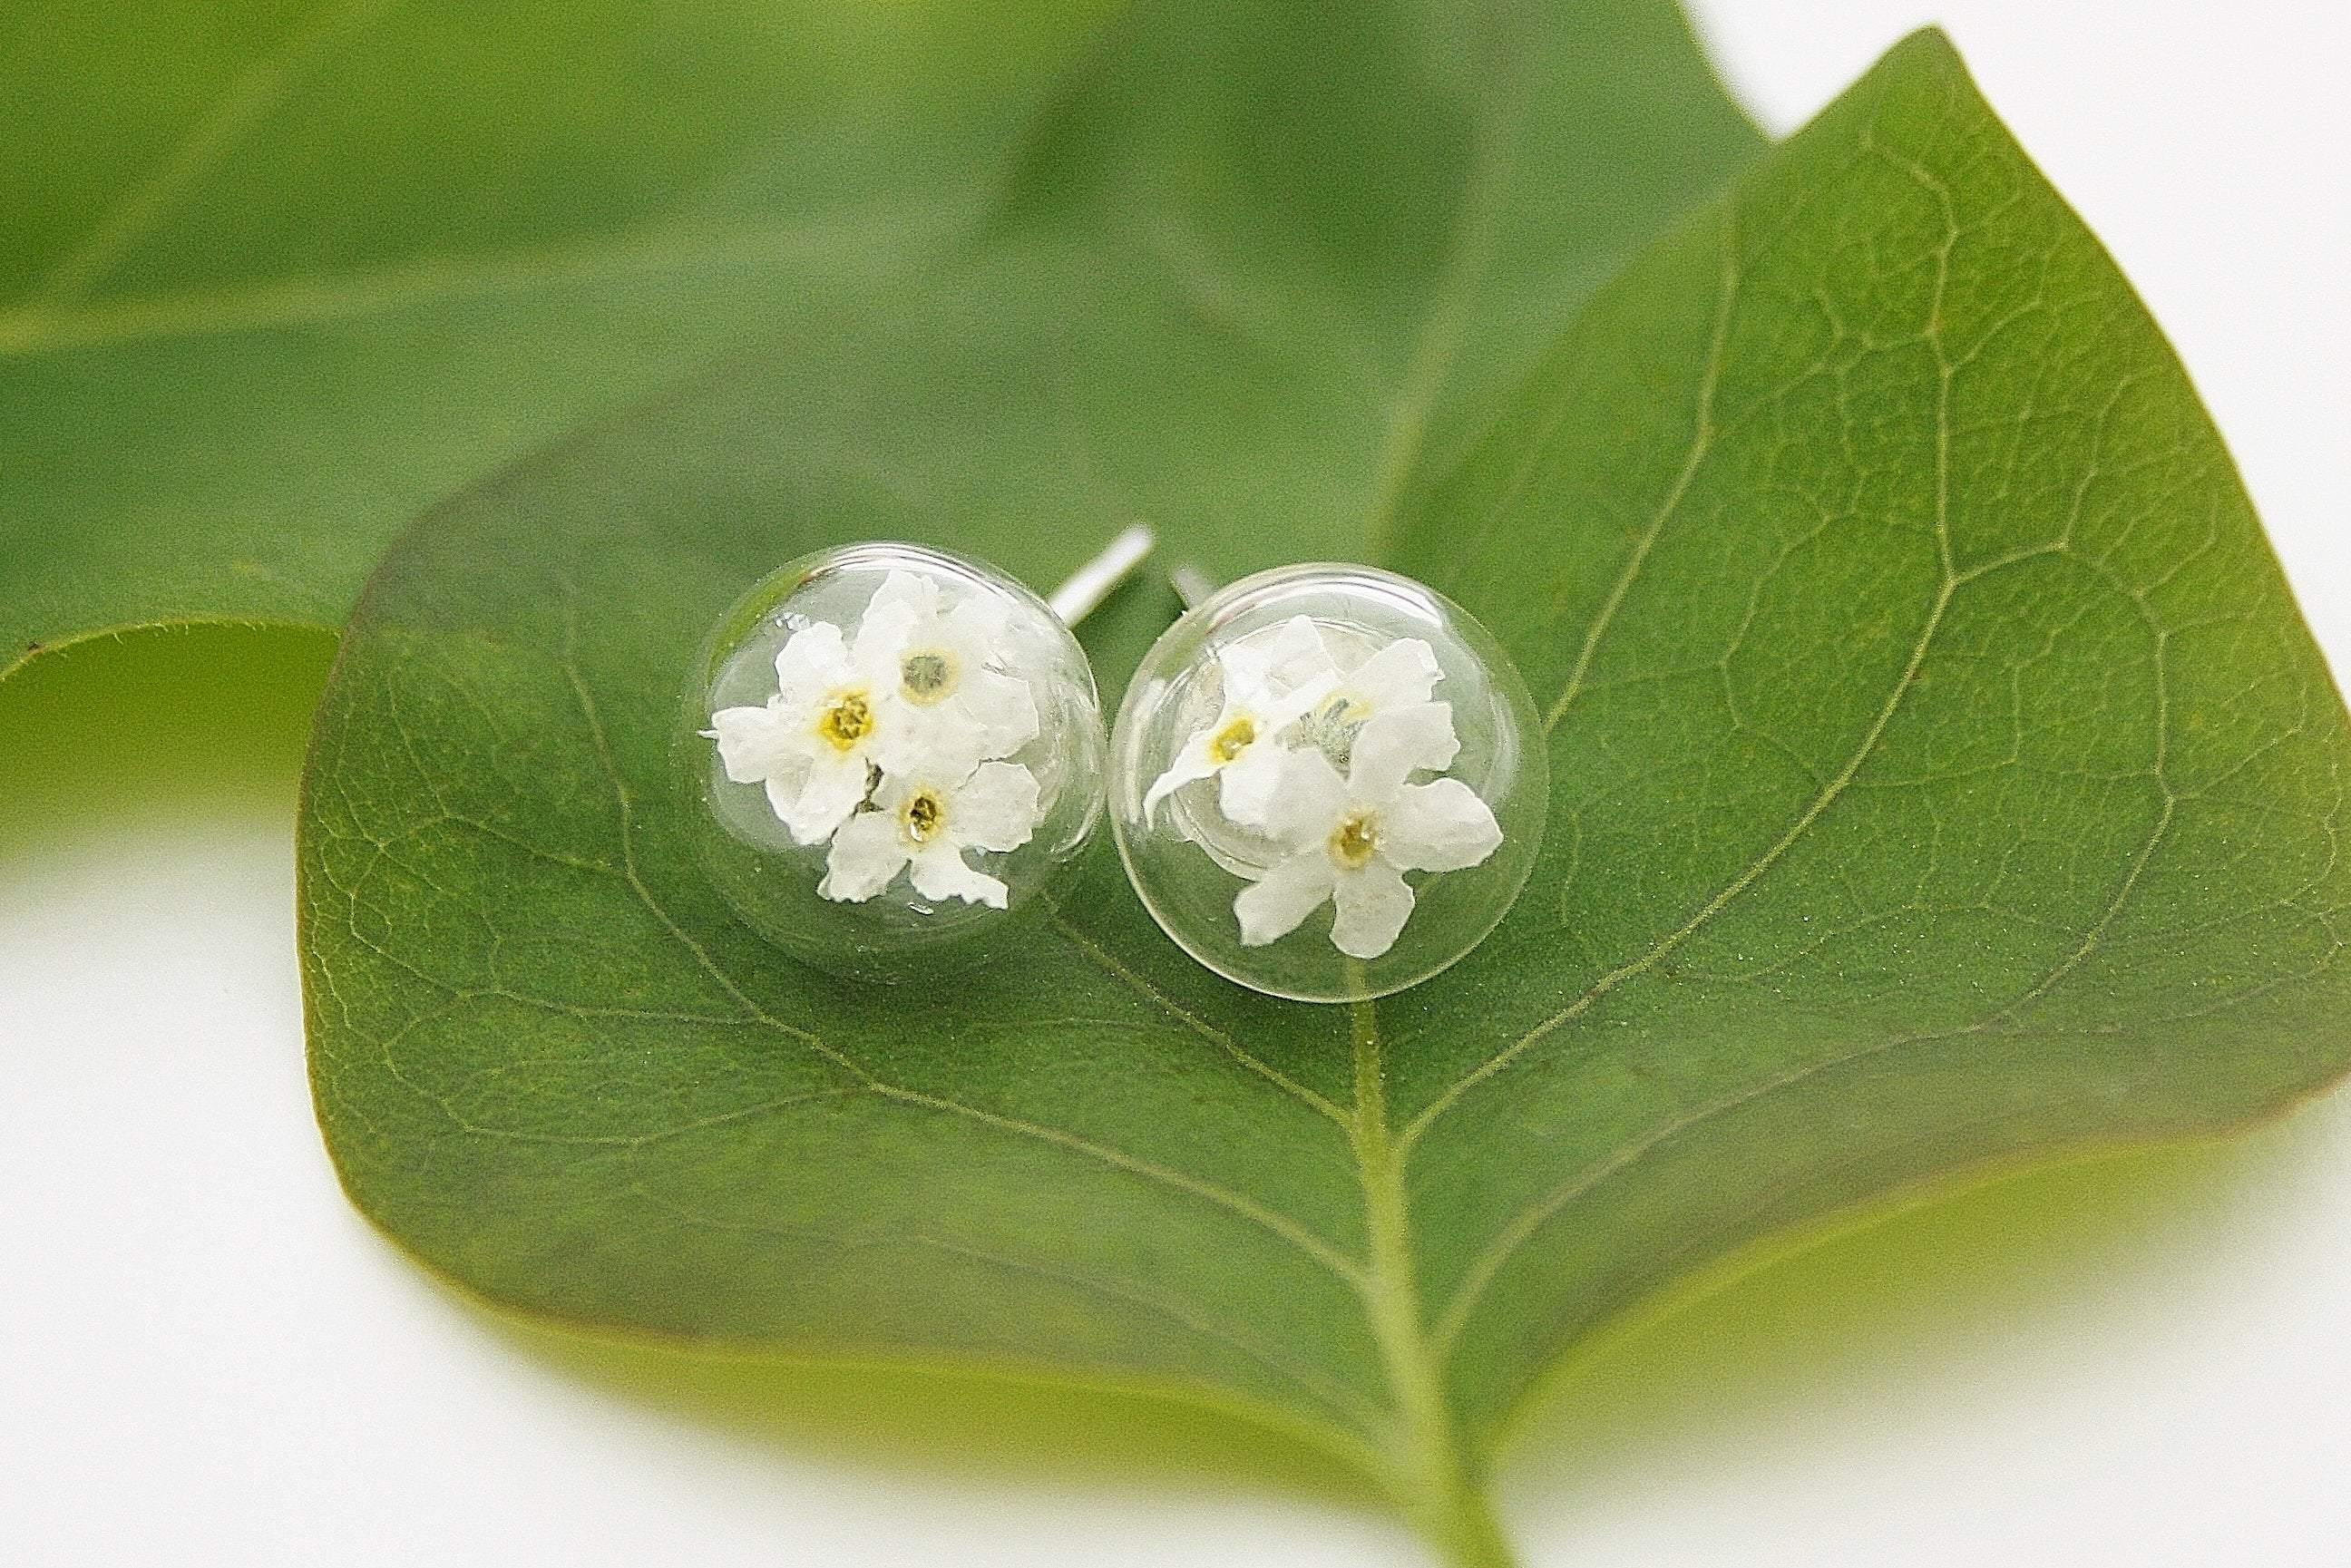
(205, 1357)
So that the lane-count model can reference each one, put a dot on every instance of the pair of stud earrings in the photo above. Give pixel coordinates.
(1326, 782)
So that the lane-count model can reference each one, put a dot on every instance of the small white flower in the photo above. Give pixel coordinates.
(1399, 676)
(813, 742)
(914, 691)
(1267, 688)
(1350, 839)
(926, 821)
(955, 703)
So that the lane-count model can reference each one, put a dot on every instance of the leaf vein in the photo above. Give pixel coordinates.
(1702, 434)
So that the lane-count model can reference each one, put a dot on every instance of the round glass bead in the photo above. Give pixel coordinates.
(890, 755)
(1328, 782)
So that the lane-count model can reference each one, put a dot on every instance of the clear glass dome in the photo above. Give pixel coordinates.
(889, 753)
(1328, 782)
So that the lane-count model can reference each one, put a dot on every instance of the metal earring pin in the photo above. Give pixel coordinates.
(1327, 782)
(889, 753)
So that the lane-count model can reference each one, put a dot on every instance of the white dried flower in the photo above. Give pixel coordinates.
(913, 692)
(955, 702)
(1269, 683)
(1350, 839)
(815, 742)
(926, 821)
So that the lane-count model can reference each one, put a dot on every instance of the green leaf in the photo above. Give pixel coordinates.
(1943, 776)
(286, 277)
(281, 277)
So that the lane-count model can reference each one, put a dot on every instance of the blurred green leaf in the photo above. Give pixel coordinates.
(288, 275)
(173, 727)
(281, 276)
(1944, 776)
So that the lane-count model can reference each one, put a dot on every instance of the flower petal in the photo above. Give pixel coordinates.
(1280, 681)
(977, 625)
(905, 590)
(1442, 826)
(811, 664)
(1307, 800)
(1393, 743)
(937, 744)
(757, 744)
(1192, 762)
(995, 809)
(901, 604)
(1245, 786)
(1271, 907)
(1000, 706)
(1276, 714)
(940, 872)
(1374, 903)
(833, 787)
(1266, 666)
(866, 853)
(894, 788)
(1406, 671)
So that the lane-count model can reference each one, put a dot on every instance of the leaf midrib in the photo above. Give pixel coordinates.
(1438, 341)
(429, 280)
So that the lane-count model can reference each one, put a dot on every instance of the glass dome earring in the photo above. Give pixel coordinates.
(888, 753)
(1327, 782)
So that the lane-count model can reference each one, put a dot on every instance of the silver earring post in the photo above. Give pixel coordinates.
(1192, 585)
(1086, 587)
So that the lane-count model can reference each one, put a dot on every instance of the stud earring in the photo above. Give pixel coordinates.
(888, 752)
(1327, 782)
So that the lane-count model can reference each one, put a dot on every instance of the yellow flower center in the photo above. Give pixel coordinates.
(1345, 708)
(928, 675)
(1232, 740)
(922, 815)
(1355, 839)
(846, 720)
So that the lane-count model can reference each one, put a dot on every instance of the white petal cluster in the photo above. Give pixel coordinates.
(889, 737)
(1323, 762)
